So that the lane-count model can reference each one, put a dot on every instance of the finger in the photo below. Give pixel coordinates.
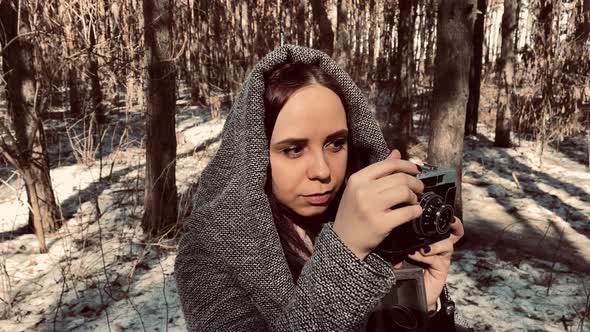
(399, 179)
(383, 168)
(435, 263)
(395, 154)
(392, 197)
(396, 217)
(457, 230)
(444, 247)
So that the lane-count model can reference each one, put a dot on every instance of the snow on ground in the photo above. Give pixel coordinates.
(94, 269)
(99, 275)
(525, 262)
(500, 294)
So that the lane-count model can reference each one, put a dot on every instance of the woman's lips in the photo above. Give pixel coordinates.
(318, 199)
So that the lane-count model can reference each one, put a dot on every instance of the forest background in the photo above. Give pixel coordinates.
(109, 110)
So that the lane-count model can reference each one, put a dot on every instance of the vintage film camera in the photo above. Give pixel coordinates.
(437, 203)
(404, 308)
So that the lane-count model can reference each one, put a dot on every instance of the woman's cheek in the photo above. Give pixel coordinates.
(341, 163)
(285, 179)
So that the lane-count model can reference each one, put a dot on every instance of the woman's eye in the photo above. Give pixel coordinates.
(294, 151)
(339, 144)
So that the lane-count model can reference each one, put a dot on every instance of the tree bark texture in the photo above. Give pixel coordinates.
(342, 49)
(131, 83)
(26, 148)
(201, 90)
(475, 71)
(506, 76)
(300, 21)
(398, 134)
(586, 25)
(584, 39)
(544, 43)
(72, 71)
(320, 9)
(160, 200)
(454, 50)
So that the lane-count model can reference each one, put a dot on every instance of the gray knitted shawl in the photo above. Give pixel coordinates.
(231, 270)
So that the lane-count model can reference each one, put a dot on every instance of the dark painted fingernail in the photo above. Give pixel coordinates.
(426, 249)
(419, 168)
(453, 221)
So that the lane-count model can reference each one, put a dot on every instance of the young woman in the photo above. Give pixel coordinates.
(289, 210)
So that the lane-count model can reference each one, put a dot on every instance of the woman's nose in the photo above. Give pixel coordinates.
(319, 168)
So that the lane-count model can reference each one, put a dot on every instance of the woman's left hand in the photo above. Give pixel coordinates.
(437, 257)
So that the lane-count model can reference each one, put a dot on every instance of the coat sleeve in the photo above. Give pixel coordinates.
(335, 292)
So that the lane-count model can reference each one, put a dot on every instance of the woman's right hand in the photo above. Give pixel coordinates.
(365, 215)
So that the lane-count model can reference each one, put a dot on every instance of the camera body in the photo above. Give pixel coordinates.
(433, 225)
(405, 307)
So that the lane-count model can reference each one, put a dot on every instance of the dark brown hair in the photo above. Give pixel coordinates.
(280, 84)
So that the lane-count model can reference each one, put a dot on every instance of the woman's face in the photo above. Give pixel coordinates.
(308, 150)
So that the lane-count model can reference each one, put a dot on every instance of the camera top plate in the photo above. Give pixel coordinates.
(434, 176)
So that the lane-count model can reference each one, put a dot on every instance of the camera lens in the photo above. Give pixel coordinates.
(403, 317)
(444, 216)
(436, 215)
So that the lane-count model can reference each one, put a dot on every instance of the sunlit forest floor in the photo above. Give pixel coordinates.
(523, 265)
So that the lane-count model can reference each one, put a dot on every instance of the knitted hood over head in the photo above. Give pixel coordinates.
(231, 217)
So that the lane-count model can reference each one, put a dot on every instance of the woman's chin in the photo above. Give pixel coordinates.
(311, 210)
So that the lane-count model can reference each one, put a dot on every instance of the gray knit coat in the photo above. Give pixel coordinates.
(231, 271)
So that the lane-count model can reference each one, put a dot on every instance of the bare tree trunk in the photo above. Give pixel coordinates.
(73, 93)
(321, 10)
(202, 83)
(497, 39)
(342, 51)
(94, 78)
(160, 201)
(585, 34)
(72, 75)
(231, 74)
(241, 46)
(517, 29)
(260, 47)
(544, 42)
(44, 213)
(582, 37)
(420, 35)
(365, 61)
(371, 38)
(475, 71)
(376, 39)
(131, 85)
(398, 136)
(26, 149)
(386, 69)
(586, 24)
(193, 45)
(454, 50)
(506, 76)
(300, 22)
(358, 37)
(138, 56)
(431, 28)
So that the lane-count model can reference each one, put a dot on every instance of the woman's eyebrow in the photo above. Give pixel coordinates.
(302, 141)
(339, 133)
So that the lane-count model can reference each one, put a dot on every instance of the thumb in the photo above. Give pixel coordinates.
(395, 154)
